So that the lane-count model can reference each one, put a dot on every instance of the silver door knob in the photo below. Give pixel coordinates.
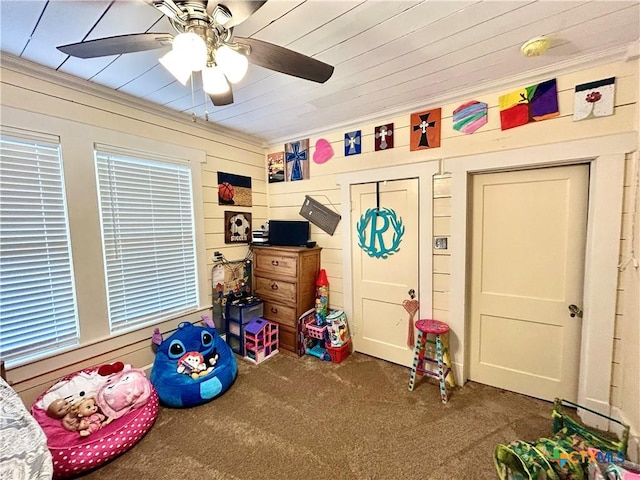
(575, 311)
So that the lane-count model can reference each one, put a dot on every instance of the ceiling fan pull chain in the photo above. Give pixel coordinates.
(206, 106)
(193, 102)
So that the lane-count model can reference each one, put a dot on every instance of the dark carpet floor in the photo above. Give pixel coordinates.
(291, 418)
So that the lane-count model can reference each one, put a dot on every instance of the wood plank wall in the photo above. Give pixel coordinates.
(285, 198)
(62, 102)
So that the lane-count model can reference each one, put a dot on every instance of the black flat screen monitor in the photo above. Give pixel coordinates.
(288, 233)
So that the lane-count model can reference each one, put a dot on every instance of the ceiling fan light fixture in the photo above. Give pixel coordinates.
(192, 49)
(176, 66)
(214, 81)
(233, 63)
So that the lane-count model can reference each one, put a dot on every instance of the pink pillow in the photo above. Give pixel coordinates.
(123, 392)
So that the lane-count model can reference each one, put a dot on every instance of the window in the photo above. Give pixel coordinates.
(146, 212)
(38, 313)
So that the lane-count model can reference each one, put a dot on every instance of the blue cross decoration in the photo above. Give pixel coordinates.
(352, 143)
(296, 156)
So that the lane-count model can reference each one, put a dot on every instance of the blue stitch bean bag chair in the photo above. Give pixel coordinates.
(192, 366)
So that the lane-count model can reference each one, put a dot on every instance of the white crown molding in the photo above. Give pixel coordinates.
(620, 53)
(26, 67)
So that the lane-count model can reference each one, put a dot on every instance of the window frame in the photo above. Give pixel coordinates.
(137, 157)
(78, 142)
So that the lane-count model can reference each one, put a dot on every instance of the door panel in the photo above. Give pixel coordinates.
(381, 285)
(527, 267)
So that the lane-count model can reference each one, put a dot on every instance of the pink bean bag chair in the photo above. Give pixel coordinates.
(102, 415)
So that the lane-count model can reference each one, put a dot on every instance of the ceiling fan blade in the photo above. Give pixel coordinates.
(240, 10)
(221, 99)
(101, 47)
(287, 61)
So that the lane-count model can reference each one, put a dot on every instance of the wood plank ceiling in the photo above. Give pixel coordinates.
(388, 55)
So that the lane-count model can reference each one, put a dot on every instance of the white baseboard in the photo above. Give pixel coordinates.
(633, 448)
(591, 419)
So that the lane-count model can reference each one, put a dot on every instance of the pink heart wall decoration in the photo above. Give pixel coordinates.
(323, 151)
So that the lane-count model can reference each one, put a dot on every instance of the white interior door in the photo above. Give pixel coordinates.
(380, 285)
(527, 268)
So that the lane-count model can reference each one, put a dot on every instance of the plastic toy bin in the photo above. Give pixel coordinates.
(315, 331)
(338, 354)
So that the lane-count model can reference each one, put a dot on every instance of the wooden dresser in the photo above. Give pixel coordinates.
(284, 278)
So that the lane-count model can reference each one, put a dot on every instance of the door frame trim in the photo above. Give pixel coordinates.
(424, 172)
(606, 156)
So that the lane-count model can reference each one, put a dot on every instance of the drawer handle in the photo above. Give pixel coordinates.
(275, 263)
(274, 286)
(274, 310)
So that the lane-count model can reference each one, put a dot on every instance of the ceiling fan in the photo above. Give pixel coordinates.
(205, 43)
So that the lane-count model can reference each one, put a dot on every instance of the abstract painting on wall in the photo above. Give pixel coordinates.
(275, 167)
(353, 143)
(383, 137)
(237, 227)
(297, 160)
(530, 104)
(594, 99)
(424, 129)
(234, 190)
(469, 117)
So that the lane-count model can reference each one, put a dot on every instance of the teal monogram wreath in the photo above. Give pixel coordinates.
(375, 245)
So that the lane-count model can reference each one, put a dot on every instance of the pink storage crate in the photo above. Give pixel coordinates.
(314, 331)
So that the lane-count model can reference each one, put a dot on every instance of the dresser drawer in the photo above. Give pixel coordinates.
(277, 265)
(282, 314)
(270, 289)
(288, 339)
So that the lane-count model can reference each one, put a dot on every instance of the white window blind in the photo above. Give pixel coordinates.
(148, 236)
(38, 313)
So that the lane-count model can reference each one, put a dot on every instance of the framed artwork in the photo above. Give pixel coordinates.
(425, 129)
(237, 227)
(594, 99)
(353, 143)
(531, 104)
(470, 116)
(275, 167)
(234, 190)
(297, 160)
(383, 137)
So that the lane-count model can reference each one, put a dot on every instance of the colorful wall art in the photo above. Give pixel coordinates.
(353, 143)
(323, 151)
(275, 167)
(530, 104)
(237, 227)
(424, 129)
(383, 137)
(469, 117)
(594, 99)
(297, 160)
(234, 190)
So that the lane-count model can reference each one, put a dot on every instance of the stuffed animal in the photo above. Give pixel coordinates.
(193, 365)
(123, 392)
(87, 410)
